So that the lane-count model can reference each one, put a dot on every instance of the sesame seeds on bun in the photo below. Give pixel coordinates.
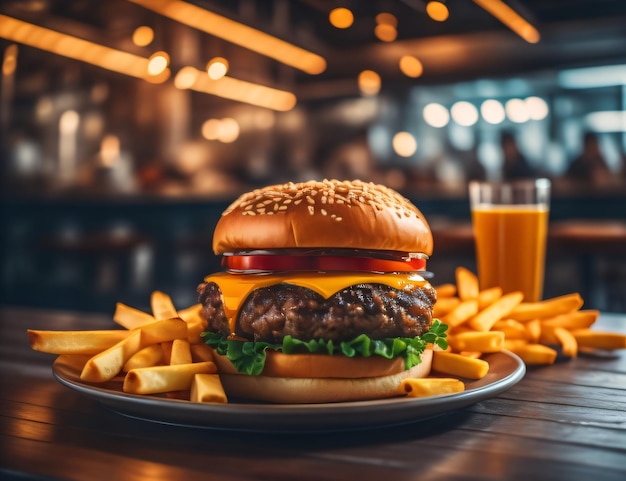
(323, 214)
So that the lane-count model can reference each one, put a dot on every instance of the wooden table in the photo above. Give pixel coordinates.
(562, 422)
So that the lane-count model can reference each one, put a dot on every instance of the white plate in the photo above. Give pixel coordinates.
(506, 370)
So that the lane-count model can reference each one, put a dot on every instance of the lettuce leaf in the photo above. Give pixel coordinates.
(248, 357)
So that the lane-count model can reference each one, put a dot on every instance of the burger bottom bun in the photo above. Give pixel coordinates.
(301, 390)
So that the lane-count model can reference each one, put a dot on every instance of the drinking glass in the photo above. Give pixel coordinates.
(510, 224)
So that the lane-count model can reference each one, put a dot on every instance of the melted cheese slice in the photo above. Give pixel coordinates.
(236, 287)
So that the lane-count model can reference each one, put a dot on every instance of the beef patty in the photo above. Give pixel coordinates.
(271, 313)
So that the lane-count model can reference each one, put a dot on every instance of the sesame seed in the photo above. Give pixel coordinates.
(310, 200)
(311, 210)
(338, 219)
(324, 212)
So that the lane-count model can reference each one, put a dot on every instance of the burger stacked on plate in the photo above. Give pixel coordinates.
(322, 298)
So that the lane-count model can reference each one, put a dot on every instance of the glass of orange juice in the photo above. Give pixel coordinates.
(510, 223)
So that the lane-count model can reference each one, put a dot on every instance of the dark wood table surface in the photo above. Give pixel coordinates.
(561, 422)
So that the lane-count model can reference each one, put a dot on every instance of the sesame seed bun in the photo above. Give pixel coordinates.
(330, 213)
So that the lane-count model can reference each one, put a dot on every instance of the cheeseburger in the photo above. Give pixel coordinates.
(323, 297)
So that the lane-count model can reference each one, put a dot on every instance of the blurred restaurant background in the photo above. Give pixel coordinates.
(128, 126)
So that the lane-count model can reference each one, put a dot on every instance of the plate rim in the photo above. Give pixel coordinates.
(268, 417)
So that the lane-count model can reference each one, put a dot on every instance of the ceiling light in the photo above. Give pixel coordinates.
(369, 82)
(464, 113)
(607, 121)
(228, 131)
(186, 77)
(143, 36)
(593, 77)
(235, 89)
(217, 68)
(492, 111)
(73, 47)
(404, 144)
(537, 108)
(411, 66)
(436, 115)
(385, 18)
(438, 11)
(9, 62)
(237, 33)
(341, 18)
(211, 129)
(385, 32)
(158, 63)
(517, 111)
(511, 19)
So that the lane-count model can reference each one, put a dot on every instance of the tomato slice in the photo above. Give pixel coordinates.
(274, 262)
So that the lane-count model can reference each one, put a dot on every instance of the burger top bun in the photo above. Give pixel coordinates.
(326, 214)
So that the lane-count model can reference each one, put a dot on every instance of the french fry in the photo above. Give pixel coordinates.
(160, 379)
(73, 361)
(207, 388)
(430, 386)
(195, 327)
(461, 313)
(599, 339)
(166, 347)
(162, 306)
(181, 352)
(196, 324)
(445, 290)
(453, 331)
(444, 305)
(488, 296)
(471, 354)
(467, 283)
(162, 331)
(109, 363)
(460, 366)
(129, 317)
(491, 341)
(148, 356)
(201, 352)
(527, 311)
(569, 345)
(485, 319)
(190, 313)
(514, 344)
(74, 342)
(534, 330)
(535, 353)
(512, 329)
(573, 320)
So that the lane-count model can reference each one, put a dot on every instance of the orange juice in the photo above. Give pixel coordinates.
(511, 246)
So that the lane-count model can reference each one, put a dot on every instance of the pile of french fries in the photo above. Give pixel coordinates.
(161, 353)
(485, 321)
